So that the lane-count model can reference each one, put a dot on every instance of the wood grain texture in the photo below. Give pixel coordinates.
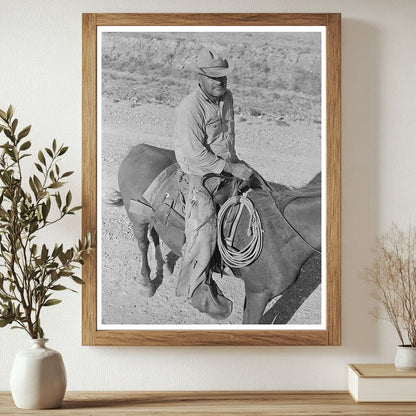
(333, 257)
(261, 403)
(212, 338)
(89, 173)
(212, 19)
(330, 336)
(380, 371)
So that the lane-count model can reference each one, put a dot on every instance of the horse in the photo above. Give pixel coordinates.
(289, 239)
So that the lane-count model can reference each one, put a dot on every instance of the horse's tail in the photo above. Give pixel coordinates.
(115, 199)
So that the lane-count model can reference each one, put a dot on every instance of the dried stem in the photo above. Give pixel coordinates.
(393, 276)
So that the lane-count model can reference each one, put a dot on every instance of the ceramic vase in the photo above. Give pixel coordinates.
(405, 358)
(38, 377)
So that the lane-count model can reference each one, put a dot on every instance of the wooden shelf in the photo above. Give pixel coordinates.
(178, 403)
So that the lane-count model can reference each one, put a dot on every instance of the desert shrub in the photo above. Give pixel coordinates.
(160, 96)
(255, 112)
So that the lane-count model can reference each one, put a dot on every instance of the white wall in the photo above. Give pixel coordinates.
(40, 73)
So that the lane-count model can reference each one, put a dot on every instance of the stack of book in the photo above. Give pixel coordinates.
(381, 383)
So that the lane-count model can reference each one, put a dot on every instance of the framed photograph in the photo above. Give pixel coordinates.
(211, 172)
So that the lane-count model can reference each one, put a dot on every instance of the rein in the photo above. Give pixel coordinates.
(268, 188)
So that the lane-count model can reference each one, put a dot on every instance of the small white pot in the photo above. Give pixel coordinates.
(38, 377)
(405, 358)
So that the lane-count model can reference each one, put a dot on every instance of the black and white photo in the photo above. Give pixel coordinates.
(246, 104)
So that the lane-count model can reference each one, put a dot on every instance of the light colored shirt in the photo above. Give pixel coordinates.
(204, 133)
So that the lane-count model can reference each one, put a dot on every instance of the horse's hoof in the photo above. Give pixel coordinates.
(147, 291)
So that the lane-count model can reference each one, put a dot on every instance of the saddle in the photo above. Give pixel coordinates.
(167, 204)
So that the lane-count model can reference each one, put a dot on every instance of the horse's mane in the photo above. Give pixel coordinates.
(283, 195)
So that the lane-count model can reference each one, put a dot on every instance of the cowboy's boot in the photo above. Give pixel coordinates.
(209, 299)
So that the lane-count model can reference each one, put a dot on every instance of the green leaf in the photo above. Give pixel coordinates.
(10, 112)
(24, 132)
(14, 125)
(33, 187)
(40, 332)
(39, 167)
(72, 210)
(3, 115)
(37, 182)
(5, 321)
(51, 302)
(34, 249)
(60, 250)
(58, 199)
(44, 253)
(25, 145)
(45, 210)
(63, 150)
(25, 155)
(8, 133)
(68, 199)
(55, 251)
(62, 257)
(54, 145)
(76, 279)
(67, 174)
(41, 157)
(56, 185)
(59, 287)
(4, 298)
(49, 152)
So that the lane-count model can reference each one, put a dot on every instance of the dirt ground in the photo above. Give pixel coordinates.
(284, 152)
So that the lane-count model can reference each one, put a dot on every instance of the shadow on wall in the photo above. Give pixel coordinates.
(360, 179)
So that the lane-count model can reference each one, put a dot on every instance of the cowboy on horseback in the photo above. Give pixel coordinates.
(205, 144)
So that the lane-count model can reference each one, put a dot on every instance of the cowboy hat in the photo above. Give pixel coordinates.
(210, 64)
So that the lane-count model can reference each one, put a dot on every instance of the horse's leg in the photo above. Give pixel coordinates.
(254, 306)
(171, 259)
(158, 253)
(140, 232)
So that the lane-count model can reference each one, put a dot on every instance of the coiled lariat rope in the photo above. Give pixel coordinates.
(231, 256)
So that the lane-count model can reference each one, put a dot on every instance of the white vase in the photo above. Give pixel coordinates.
(405, 358)
(38, 378)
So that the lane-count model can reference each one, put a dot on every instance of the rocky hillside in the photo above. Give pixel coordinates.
(277, 75)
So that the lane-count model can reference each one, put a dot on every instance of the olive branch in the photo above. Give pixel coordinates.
(31, 273)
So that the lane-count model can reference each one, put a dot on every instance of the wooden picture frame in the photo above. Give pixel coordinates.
(331, 334)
